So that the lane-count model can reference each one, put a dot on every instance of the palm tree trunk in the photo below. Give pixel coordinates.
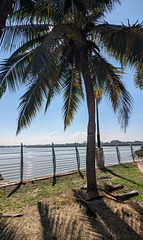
(98, 132)
(90, 153)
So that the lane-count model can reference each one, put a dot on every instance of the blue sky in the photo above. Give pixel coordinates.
(49, 128)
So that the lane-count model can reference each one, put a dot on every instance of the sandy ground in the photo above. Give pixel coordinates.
(110, 219)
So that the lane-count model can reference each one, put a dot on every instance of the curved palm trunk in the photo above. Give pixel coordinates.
(90, 154)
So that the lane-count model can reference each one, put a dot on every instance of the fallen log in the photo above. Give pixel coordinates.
(109, 187)
(128, 195)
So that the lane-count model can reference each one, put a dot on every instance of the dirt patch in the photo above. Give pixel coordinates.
(140, 166)
(111, 220)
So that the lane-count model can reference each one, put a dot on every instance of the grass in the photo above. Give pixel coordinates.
(61, 194)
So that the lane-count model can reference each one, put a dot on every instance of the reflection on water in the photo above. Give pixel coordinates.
(39, 161)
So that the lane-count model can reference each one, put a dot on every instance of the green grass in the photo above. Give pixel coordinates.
(126, 174)
(61, 194)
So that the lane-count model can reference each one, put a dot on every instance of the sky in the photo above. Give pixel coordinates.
(49, 127)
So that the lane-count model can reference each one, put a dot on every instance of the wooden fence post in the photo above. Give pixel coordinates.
(54, 164)
(118, 154)
(132, 152)
(77, 157)
(21, 162)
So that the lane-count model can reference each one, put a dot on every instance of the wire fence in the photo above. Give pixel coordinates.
(21, 163)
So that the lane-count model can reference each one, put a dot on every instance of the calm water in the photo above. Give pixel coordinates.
(39, 161)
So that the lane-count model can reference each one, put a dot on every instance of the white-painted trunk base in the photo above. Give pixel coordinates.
(100, 159)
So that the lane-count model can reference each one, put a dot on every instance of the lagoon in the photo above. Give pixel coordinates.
(38, 161)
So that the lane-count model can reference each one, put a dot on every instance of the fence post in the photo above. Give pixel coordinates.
(21, 162)
(118, 154)
(54, 164)
(132, 152)
(77, 157)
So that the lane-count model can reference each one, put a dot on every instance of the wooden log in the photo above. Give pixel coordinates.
(109, 187)
(128, 195)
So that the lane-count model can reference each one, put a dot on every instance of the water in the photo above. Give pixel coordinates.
(39, 161)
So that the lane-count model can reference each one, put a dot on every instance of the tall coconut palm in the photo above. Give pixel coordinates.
(98, 96)
(59, 52)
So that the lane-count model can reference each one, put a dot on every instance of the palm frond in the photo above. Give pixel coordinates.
(31, 102)
(124, 102)
(16, 36)
(40, 87)
(73, 94)
(125, 43)
(2, 89)
(48, 50)
(138, 80)
(106, 5)
(12, 69)
(108, 78)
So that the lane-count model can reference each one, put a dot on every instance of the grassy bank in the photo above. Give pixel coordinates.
(26, 195)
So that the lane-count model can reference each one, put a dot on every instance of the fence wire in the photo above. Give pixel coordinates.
(38, 161)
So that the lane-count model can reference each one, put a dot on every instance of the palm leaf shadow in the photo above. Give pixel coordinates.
(8, 230)
(15, 189)
(110, 224)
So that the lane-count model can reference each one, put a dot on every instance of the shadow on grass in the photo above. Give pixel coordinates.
(138, 208)
(54, 181)
(8, 230)
(46, 221)
(124, 166)
(64, 224)
(81, 174)
(113, 225)
(119, 176)
(15, 189)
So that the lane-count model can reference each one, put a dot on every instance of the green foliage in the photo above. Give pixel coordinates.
(50, 37)
(29, 193)
(139, 152)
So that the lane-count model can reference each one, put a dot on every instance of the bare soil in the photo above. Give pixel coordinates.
(110, 219)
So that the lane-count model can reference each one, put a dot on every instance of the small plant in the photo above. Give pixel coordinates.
(139, 152)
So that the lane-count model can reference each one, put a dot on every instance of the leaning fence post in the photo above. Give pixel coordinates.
(21, 162)
(77, 157)
(54, 164)
(132, 152)
(118, 154)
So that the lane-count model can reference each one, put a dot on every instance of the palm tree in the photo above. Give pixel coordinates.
(98, 97)
(59, 52)
(6, 7)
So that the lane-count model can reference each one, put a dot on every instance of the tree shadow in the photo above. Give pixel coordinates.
(81, 174)
(54, 181)
(15, 189)
(46, 221)
(124, 166)
(114, 225)
(8, 230)
(68, 226)
(81, 224)
(137, 207)
(119, 176)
